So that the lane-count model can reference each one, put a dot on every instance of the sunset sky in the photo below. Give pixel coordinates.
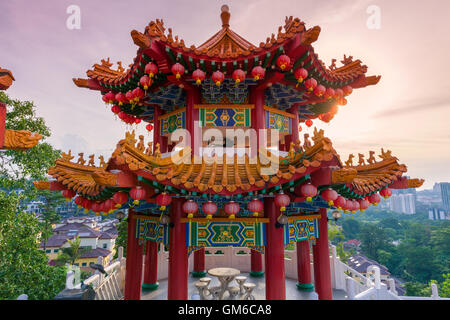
(408, 112)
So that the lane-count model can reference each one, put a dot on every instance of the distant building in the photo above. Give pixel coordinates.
(445, 194)
(403, 203)
(437, 188)
(438, 214)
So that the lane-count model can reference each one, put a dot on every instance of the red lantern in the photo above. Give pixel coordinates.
(386, 192)
(120, 97)
(282, 200)
(151, 69)
(87, 205)
(115, 109)
(120, 198)
(330, 196)
(137, 194)
(309, 191)
(355, 205)
(309, 123)
(231, 208)
(363, 204)
(342, 101)
(300, 74)
(258, 73)
(149, 127)
(340, 202)
(329, 94)
(209, 208)
(319, 90)
(109, 205)
(190, 207)
(283, 62)
(218, 77)
(163, 199)
(109, 97)
(145, 82)
(138, 94)
(198, 75)
(347, 90)
(238, 76)
(326, 117)
(96, 207)
(177, 70)
(129, 96)
(255, 206)
(374, 199)
(68, 194)
(137, 120)
(310, 84)
(79, 201)
(299, 128)
(338, 93)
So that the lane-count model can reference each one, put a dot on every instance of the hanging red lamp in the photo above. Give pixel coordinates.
(329, 195)
(209, 208)
(231, 208)
(309, 123)
(115, 109)
(96, 207)
(87, 205)
(120, 98)
(120, 198)
(255, 206)
(299, 128)
(310, 84)
(137, 193)
(282, 200)
(177, 70)
(329, 94)
(320, 90)
(109, 97)
(151, 69)
(340, 202)
(355, 205)
(190, 207)
(79, 201)
(283, 62)
(198, 75)
(342, 101)
(258, 73)
(347, 90)
(309, 191)
(338, 93)
(129, 96)
(300, 74)
(238, 76)
(145, 82)
(109, 205)
(363, 204)
(138, 94)
(163, 200)
(374, 199)
(218, 77)
(68, 194)
(386, 192)
(149, 127)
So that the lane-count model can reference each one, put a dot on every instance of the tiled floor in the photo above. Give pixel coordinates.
(292, 293)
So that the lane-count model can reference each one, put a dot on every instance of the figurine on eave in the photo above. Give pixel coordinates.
(149, 150)
(299, 146)
(141, 145)
(103, 164)
(385, 155)
(318, 135)
(91, 162)
(361, 161)
(349, 162)
(307, 143)
(157, 151)
(81, 159)
(291, 152)
(67, 156)
(371, 159)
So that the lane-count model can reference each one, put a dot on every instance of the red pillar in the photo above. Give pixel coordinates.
(257, 115)
(304, 266)
(322, 272)
(156, 127)
(133, 276)
(256, 266)
(178, 258)
(151, 266)
(274, 254)
(199, 263)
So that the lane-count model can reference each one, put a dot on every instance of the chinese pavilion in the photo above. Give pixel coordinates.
(13, 139)
(187, 200)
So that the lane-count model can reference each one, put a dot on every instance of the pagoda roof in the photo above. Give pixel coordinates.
(157, 172)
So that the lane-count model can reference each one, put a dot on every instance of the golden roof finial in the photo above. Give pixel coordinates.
(225, 16)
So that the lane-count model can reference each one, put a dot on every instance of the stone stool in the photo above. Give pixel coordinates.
(248, 291)
(234, 291)
(215, 292)
(201, 287)
(240, 280)
(207, 281)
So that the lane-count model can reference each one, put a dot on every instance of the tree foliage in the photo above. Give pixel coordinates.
(71, 253)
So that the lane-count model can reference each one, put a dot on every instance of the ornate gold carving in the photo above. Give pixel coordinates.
(349, 162)
(386, 155)
(415, 183)
(371, 159)
(344, 175)
(306, 143)
(361, 161)
(81, 159)
(91, 162)
(42, 185)
(318, 135)
(20, 139)
(6, 79)
(66, 157)
(311, 35)
(141, 145)
(103, 164)
(104, 178)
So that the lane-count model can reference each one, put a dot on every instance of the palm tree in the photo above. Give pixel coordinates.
(72, 253)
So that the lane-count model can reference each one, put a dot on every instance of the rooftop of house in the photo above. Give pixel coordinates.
(97, 252)
(360, 263)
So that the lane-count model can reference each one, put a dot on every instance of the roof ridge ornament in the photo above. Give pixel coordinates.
(225, 16)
